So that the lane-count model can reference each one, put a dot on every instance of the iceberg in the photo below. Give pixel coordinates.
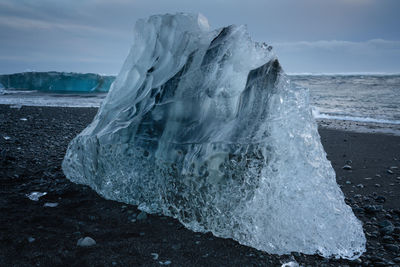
(53, 81)
(204, 126)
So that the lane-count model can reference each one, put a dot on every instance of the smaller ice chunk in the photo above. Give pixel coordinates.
(290, 264)
(23, 119)
(17, 106)
(50, 204)
(34, 196)
(6, 137)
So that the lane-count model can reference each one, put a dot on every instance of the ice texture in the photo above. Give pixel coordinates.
(57, 81)
(205, 127)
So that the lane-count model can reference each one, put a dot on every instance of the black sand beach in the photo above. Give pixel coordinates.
(33, 141)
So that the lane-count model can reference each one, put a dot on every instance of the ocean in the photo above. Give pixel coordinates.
(368, 103)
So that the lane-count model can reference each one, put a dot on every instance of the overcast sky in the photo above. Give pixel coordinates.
(309, 36)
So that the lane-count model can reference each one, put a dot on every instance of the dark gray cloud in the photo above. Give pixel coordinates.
(95, 35)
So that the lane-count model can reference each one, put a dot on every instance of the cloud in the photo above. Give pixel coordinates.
(101, 30)
(335, 44)
(376, 55)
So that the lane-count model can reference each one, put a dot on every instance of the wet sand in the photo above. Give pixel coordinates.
(33, 141)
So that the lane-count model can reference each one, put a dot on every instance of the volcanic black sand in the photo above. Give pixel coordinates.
(33, 141)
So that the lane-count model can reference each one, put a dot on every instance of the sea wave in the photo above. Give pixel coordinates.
(319, 115)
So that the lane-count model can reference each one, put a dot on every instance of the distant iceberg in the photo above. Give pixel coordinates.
(204, 126)
(57, 81)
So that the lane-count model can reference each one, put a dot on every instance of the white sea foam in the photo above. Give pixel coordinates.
(318, 115)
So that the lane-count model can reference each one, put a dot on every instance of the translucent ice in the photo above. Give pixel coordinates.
(205, 127)
(34, 196)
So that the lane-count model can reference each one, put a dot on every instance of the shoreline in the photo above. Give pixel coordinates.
(32, 234)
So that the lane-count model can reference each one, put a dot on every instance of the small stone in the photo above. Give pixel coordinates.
(378, 175)
(142, 216)
(373, 208)
(387, 239)
(368, 178)
(385, 223)
(86, 242)
(360, 186)
(176, 247)
(387, 230)
(377, 185)
(392, 247)
(348, 182)
(346, 167)
(164, 263)
(23, 119)
(390, 171)
(154, 255)
(380, 199)
(393, 167)
(6, 137)
(31, 239)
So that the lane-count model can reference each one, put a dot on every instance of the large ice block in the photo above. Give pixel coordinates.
(204, 126)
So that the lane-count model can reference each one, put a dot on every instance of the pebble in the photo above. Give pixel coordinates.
(390, 171)
(154, 255)
(360, 186)
(373, 208)
(86, 242)
(23, 119)
(387, 239)
(176, 247)
(348, 182)
(31, 239)
(380, 199)
(387, 230)
(164, 263)
(392, 248)
(346, 167)
(368, 178)
(377, 185)
(142, 216)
